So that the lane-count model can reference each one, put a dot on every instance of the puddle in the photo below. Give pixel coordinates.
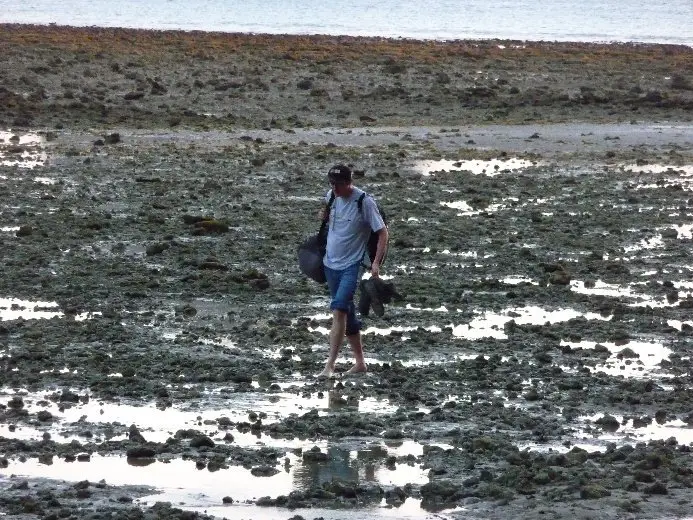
(359, 461)
(158, 424)
(45, 180)
(14, 309)
(23, 151)
(684, 231)
(491, 324)
(409, 510)
(205, 488)
(591, 437)
(463, 254)
(485, 325)
(658, 168)
(678, 324)
(600, 288)
(646, 364)
(381, 331)
(517, 280)
(411, 307)
(465, 210)
(476, 166)
(645, 244)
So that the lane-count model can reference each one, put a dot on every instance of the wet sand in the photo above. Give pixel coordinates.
(158, 344)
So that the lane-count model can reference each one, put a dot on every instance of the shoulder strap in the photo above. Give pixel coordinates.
(360, 201)
(329, 206)
(322, 232)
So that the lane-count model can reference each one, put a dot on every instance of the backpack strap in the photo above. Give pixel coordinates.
(360, 202)
(324, 225)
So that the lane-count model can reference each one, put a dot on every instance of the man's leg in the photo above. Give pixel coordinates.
(342, 285)
(336, 338)
(357, 350)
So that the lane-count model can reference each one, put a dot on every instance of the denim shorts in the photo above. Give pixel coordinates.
(343, 284)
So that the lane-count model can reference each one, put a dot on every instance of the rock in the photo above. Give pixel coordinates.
(44, 416)
(16, 403)
(643, 476)
(156, 249)
(213, 226)
(608, 422)
(560, 277)
(201, 441)
(134, 434)
(131, 96)
(627, 353)
(141, 452)
(24, 231)
(658, 488)
(264, 471)
(440, 488)
(315, 455)
(594, 491)
(113, 138)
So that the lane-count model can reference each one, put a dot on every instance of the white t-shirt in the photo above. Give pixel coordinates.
(350, 228)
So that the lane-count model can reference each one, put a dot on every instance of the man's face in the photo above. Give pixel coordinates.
(339, 188)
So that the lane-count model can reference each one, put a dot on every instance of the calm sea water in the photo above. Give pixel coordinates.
(668, 21)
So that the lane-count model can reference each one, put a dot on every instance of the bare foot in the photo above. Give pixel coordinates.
(325, 374)
(356, 370)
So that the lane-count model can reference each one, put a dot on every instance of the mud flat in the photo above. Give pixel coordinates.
(158, 345)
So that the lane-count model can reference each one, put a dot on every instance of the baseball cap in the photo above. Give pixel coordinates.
(339, 173)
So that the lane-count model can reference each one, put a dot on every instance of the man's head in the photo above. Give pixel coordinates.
(340, 179)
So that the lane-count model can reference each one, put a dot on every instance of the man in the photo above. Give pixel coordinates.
(348, 231)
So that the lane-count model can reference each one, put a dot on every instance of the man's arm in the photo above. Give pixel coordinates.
(383, 236)
(322, 212)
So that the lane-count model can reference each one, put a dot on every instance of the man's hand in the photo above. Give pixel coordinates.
(322, 212)
(375, 270)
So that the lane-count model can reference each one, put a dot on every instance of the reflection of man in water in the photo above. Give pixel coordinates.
(336, 400)
(339, 466)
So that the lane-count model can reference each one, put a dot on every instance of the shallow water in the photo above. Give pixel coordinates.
(209, 488)
(554, 20)
(22, 150)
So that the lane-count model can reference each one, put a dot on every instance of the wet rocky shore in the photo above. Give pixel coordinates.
(155, 186)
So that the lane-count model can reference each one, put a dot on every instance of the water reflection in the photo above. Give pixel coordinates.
(21, 150)
(370, 464)
(492, 324)
(633, 359)
(476, 166)
(600, 288)
(211, 415)
(14, 308)
(658, 168)
(206, 486)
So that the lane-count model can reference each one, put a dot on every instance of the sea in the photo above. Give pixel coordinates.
(609, 21)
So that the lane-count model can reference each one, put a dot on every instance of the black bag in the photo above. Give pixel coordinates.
(312, 251)
(310, 254)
